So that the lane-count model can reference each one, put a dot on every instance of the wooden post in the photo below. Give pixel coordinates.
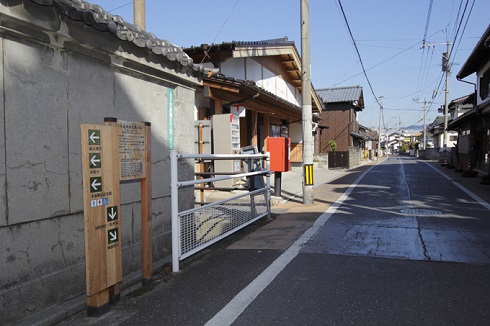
(255, 118)
(146, 234)
(201, 163)
(266, 131)
(115, 290)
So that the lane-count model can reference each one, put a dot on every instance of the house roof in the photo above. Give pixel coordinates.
(438, 120)
(467, 99)
(455, 123)
(280, 47)
(459, 103)
(362, 136)
(436, 124)
(350, 94)
(103, 21)
(478, 57)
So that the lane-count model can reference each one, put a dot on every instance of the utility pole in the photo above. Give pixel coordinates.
(424, 132)
(379, 131)
(425, 124)
(308, 197)
(139, 13)
(447, 69)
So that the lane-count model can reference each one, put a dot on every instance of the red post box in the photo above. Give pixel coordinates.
(279, 149)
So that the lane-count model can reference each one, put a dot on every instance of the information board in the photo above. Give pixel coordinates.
(132, 148)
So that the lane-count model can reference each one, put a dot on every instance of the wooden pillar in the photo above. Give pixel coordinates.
(146, 234)
(266, 130)
(255, 127)
(218, 106)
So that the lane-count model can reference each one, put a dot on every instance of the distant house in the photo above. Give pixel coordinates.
(460, 106)
(367, 141)
(340, 115)
(436, 128)
(393, 142)
(473, 127)
(456, 108)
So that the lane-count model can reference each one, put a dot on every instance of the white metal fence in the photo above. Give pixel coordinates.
(199, 227)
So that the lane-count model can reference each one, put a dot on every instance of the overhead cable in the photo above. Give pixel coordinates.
(358, 54)
(427, 22)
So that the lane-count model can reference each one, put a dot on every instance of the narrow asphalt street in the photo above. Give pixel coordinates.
(396, 243)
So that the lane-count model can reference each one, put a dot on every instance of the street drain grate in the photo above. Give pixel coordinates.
(420, 212)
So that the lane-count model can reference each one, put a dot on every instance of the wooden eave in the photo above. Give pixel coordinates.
(254, 97)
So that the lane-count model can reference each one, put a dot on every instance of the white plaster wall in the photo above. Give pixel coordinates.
(254, 71)
(291, 95)
(234, 68)
(249, 69)
(281, 88)
(269, 80)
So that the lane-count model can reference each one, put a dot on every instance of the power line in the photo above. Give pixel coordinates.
(219, 32)
(378, 64)
(427, 22)
(122, 6)
(357, 51)
(462, 33)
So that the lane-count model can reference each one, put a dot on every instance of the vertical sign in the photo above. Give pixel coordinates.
(101, 204)
(170, 117)
(308, 172)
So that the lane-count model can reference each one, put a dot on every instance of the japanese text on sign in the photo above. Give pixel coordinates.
(131, 142)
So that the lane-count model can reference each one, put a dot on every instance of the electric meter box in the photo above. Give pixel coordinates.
(226, 140)
(279, 149)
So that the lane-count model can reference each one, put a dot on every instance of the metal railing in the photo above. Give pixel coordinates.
(197, 228)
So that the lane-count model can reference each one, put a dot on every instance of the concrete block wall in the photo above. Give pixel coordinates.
(354, 157)
(47, 89)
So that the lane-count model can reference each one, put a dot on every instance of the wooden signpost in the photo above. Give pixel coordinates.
(110, 153)
(133, 143)
(100, 167)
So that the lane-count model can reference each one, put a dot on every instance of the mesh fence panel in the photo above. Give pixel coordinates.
(204, 226)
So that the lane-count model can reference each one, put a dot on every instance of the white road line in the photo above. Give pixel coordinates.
(240, 302)
(469, 193)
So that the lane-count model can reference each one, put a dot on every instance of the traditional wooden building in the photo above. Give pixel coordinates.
(263, 80)
(340, 116)
(473, 127)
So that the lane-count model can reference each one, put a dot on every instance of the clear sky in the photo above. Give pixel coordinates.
(388, 34)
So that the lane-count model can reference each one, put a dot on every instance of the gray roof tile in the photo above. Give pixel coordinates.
(101, 20)
(340, 94)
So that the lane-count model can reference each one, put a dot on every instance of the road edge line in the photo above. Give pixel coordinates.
(228, 314)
